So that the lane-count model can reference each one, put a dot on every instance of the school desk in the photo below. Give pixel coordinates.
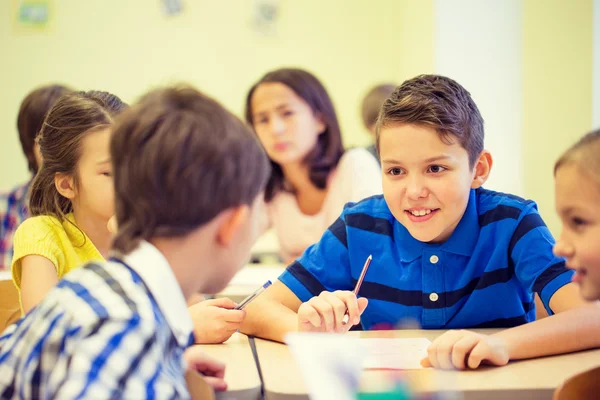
(528, 379)
(241, 373)
(266, 248)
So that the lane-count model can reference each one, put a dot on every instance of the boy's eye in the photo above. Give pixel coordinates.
(395, 171)
(288, 113)
(578, 222)
(436, 169)
(108, 174)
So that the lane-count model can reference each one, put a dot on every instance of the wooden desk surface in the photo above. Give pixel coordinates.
(241, 374)
(529, 379)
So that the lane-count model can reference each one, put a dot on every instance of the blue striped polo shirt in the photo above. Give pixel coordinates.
(485, 275)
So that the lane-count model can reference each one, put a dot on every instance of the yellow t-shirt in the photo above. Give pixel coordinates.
(63, 244)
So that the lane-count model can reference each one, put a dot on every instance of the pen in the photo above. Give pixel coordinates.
(358, 284)
(254, 295)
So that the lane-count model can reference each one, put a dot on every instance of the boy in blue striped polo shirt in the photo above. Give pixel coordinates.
(188, 178)
(446, 252)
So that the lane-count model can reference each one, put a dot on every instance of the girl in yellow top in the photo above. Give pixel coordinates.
(71, 197)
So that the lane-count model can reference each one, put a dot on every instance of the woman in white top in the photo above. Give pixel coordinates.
(312, 177)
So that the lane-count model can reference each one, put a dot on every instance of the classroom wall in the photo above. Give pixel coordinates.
(527, 63)
(129, 47)
(478, 43)
(557, 91)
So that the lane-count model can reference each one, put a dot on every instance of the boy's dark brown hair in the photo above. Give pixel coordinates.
(373, 101)
(32, 112)
(584, 153)
(179, 159)
(438, 102)
(329, 148)
(73, 116)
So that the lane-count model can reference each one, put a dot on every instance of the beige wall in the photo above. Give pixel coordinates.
(128, 47)
(557, 90)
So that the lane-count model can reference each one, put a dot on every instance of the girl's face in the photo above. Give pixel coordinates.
(578, 205)
(95, 193)
(285, 124)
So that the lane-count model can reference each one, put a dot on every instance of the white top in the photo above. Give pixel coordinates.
(356, 177)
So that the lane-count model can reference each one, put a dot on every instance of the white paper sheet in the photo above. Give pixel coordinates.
(394, 353)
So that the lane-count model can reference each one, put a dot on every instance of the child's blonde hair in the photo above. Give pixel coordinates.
(585, 154)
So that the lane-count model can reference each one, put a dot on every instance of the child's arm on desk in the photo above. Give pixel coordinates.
(574, 327)
(272, 314)
(279, 311)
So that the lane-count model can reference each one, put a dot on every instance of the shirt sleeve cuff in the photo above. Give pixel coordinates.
(553, 286)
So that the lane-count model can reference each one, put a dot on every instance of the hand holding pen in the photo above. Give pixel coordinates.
(333, 311)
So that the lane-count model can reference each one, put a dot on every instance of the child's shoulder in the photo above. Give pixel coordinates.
(41, 221)
(104, 291)
(39, 226)
(489, 200)
(356, 159)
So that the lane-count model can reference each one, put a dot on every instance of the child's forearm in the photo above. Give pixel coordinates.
(269, 319)
(571, 330)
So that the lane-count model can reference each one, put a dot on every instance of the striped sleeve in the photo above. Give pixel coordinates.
(115, 359)
(530, 252)
(324, 266)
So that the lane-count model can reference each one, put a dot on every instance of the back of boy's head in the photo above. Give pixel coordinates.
(585, 154)
(373, 101)
(33, 110)
(179, 160)
(72, 117)
(440, 103)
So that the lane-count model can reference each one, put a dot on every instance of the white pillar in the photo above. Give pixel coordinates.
(478, 43)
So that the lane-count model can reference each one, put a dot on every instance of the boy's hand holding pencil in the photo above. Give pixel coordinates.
(325, 312)
(334, 311)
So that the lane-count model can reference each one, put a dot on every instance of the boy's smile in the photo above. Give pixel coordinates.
(427, 180)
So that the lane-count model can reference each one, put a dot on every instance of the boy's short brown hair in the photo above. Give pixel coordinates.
(438, 102)
(373, 101)
(179, 160)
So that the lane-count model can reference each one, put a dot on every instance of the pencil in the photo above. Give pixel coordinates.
(361, 278)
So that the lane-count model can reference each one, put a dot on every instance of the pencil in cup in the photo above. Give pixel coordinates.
(254, 295)
(361, 278)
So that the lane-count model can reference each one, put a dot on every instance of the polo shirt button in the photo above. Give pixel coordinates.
(434, 296)
(434, 259)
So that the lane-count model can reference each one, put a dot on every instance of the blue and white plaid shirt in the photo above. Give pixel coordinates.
(107, 330)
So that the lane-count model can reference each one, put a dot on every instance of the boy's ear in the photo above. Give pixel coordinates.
(232, 222)
(481, 169)
(65, 185)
